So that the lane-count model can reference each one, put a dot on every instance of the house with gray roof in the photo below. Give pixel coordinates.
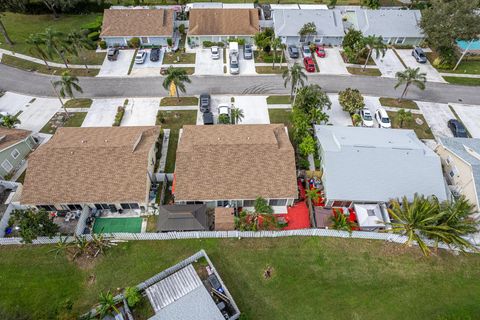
(461, 164)
(288, 22)
(183, 217)
(373, 165)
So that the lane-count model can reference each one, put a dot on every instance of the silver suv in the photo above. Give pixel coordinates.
(419, 55)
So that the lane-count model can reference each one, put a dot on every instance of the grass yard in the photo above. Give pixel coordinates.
(270, 70)
(184, 58)
(360, 60)
(263, 57)
(174, 120)
(78, 103)
(463, 81)
(373, 72)
(423, 131)
(282, 116)
(75, 120)
(403, 104)
(112, 225)
(42, 68)
(312, 278)
(175, 102)
(278, 99)
(20, 26)
(469, 65)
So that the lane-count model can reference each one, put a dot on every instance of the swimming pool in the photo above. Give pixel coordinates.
(464, 44)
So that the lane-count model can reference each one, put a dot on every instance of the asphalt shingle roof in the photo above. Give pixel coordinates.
(137, 22)
(219, 22)
(289, 22)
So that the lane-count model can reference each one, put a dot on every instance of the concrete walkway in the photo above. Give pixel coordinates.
(163, 155)
(40, 61)
(178, 108)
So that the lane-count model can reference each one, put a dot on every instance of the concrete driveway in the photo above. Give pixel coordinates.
(38, 113)
(205, 65)
(214, 102)
(332, 63)
(247, 67)
(389, 64)
(409, 60)
(117, 68)
(372, 104)
(437, 116)
(470, 116)
(148, 68)
(141, 112)
(338, 117)
(102, 112)
(12, 103)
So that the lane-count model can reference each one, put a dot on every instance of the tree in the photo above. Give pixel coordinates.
(33, 224)
(9, 121)
(351, 100)
(275, 43)
(312, 196)
(132, 296)
(357, 120)
(301, 125)
(307, 30)
(36, 43)
(224, 119)
(341, 222)
(404, 116)
(371, 4)
(374, 43)
(307, 146)
(353, 44)
(108, 305)
(67, 84)
(261, 206)
(78, 44)
(312, 97)
(59, 5)
(409, 77)
(296, 76)
(263, 38)
(55, 43)
(176, 77)
(237, 115)
(317, 116)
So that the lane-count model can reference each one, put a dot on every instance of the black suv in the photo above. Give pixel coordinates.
(155, 54)
(457, 128)
(204, 103)
(112, 54)
(208, 118)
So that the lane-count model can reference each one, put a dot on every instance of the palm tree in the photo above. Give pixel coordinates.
(9, 121)
(67, 84)
(36, 42)
(61, 246)
(404, 116)
(408, 77)
(317, 116)
(107, 304)
(275, 43)
(374, 43)
(340, 221)
(5, 6)
(312, 196)
(237, 115)
(282, 48)
(78, 43)
(295, 75)
(176, 77)
(55, 43)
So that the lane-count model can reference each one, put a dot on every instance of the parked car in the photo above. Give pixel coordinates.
(309, 65)
(140, 57)
(224, 109)
(205, 102)
(320, 50)
(155, 54)
(306, 51)
(234, 65)
(293, 51)
(215, 53)
(112, 54)
(419, 55)
(248, 52)
(382, 118)
(208, 118)
(367, 119)
(457, 128)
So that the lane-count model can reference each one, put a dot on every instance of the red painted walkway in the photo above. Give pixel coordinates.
(297, 217)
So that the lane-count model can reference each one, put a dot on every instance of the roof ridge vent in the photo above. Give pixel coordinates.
(472, 152)
(135, 145)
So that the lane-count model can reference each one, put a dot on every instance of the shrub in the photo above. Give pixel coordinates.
(94, 36)
(351, 100)
(102, 44)
(303, 163)
(119, 116)
(92, 26)
(169, 42)
(224, 119)
(181, 29)
(208, 44)
(134, 43)
(241, 42)
(132, 296)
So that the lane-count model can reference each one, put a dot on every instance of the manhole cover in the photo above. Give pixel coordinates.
(419, 121)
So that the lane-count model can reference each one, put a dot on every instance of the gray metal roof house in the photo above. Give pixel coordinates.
(183, 218)
(373, 165)
(288, 22)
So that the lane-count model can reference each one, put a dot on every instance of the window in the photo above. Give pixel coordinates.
(15, 154)
(132, 206)
(453, 172)
(449, 160)
(400, 40)
(386, 40)
(278, 202)
(74, 207)
(7, 166)
(102, 206)
(248, 203)
(47, 208)
(222, 203)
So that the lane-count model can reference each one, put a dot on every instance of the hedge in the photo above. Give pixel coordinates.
(92, 26)
(208, 44)
(119, 116)
(94, 36)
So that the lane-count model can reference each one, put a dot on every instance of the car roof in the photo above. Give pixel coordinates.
(365, 110)
(382, 112)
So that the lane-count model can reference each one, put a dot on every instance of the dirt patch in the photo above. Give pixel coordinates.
(85, 262)
(268, 273)
(92, 278)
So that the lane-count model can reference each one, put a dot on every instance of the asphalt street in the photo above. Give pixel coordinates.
(19, 81)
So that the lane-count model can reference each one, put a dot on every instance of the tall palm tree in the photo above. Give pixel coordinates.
(55, 43)
(237, 115)
(107, 304)
(275, 43)
(295, 75)
(408, 77)
(67, 84)
(36, 43)
(9, 121)
(178, 77)
(78, 43)
(374, 43)
(282, 48)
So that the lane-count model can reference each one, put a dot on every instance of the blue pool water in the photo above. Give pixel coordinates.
(464, 44)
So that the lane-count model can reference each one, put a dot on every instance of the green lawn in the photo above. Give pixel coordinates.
(112, 225)
(270, 70)
(463, 81)
(42, 68)
(184, 58)
(79, 103)
(20, 26)
(282, 116)
(423, 131)
(263, 57)
(312, 278)
(393, 102)
(469, 65)
(278, 99)
(174, 101)
(75, 120)
(373, 72)
(174, 120)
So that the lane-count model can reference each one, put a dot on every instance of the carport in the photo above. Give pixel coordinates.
(148, 68)
(246, 66)
(118, 68)
(470, 116)
(12, 103)
(338, 117)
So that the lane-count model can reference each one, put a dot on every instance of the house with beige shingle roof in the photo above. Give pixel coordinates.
(15, 145)
(232, 165)
(221, 24)
(151, 26)
(103, 168)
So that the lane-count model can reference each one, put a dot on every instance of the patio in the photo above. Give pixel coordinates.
(114, 225)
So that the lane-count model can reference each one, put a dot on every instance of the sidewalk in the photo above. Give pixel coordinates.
(40, 61)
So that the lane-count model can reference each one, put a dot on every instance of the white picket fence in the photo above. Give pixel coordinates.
(390, 237)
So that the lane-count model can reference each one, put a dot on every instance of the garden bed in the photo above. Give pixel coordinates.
(372, 72)
(184, 58)
(78, 103)
(174, 101)
(396, 103)
(270, 70)
(75, 119)
(423, 131)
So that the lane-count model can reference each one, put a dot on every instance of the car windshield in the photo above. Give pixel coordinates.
(294, 49)
(306, 50)
(248, 49)
(385, 120)
(214, 50)
(234, 65)
(367, 116)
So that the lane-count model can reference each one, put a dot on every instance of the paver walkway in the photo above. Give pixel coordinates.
(40, 61)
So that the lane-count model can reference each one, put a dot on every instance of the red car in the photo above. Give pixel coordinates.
(320, 50)
(309, 65)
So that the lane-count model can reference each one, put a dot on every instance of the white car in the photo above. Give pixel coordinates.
(215, 53)
(382, 118)
(367, 119)
(306, 51)
(224, 109)
(140, 57)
